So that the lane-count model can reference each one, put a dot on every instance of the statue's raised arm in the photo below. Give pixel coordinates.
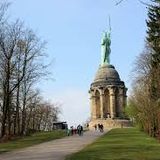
(105, 48)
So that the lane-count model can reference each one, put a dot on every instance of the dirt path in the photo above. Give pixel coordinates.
(53, 150)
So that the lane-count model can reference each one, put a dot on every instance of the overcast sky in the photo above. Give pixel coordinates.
(73, 30)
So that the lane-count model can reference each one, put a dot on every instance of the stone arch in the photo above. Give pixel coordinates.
(96, 89)
(97, 97)
(106, 109)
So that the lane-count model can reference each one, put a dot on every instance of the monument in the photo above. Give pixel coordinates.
(107, 92)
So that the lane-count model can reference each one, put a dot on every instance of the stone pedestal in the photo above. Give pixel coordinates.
(110, 123)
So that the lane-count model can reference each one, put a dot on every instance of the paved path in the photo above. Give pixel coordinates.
(53, 150)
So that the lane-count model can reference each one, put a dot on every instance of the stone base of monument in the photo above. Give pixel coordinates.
(110, 123)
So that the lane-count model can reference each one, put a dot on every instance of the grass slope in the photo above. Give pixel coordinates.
(121, 144)
(30, 140)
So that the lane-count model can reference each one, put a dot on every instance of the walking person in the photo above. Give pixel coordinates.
(99, 127)
(81, 131)
(95, 127)
(68, 132)
(102, 128)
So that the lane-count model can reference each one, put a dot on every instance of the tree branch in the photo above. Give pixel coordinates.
(120, 1)
(144, 3)
(141, 1)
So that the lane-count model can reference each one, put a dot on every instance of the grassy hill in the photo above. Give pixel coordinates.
(31, 140)
(121, 144)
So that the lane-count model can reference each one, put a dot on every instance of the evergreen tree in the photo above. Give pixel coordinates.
(153, 39)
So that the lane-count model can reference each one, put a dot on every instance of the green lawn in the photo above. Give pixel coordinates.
(121, 144)
(30, 140)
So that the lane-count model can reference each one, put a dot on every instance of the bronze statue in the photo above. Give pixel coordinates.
(105, 48)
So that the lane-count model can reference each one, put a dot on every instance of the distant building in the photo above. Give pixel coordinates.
(60, 125)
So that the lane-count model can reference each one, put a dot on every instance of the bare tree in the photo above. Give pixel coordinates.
(40, 114)
(21, 52)
(145, 110)
(22, 65)
(141, 1)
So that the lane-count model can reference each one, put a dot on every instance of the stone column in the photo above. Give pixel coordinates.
(121, 101)
(112, 101)
(93, 107)
(102, 103)
(93, 104)
(125, 96)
